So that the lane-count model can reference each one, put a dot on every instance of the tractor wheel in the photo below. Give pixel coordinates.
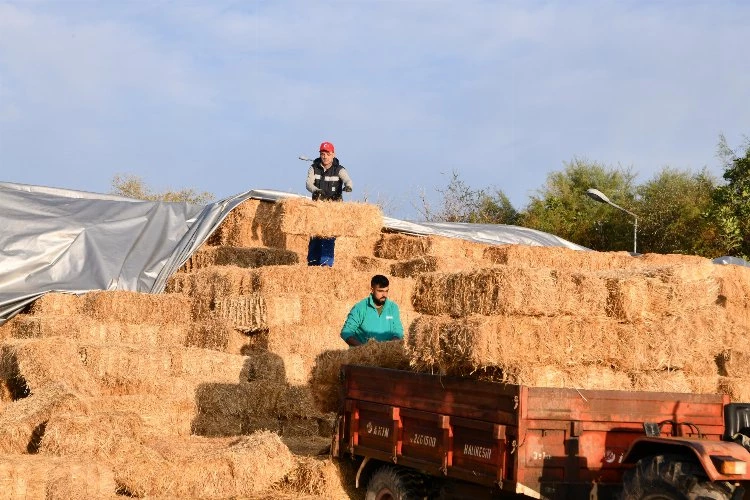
(672, 477)
(394, 483)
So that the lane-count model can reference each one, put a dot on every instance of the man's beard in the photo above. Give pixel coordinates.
(379, 302)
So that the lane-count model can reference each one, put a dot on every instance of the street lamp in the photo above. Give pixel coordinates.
(597, 195)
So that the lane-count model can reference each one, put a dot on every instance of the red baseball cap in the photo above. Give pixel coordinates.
(327, 146)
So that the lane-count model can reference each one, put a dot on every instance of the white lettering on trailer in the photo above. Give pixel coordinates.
(423, 440)
(377, 430)
(478, 451)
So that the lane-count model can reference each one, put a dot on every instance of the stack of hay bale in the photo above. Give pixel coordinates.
(227, 380)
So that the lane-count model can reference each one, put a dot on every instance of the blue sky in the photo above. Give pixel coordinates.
(222, 96)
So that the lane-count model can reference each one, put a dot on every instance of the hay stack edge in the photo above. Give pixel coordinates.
(229, 380)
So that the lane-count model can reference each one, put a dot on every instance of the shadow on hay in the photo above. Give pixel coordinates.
(260, 400)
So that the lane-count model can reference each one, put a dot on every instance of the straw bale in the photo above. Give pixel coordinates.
(673, 259)
(734, 293)
(32, 363)
(324, 380)
(90, 330)
(60, 304)
(22, 423)
(135, 307)
(221, 468)
(734, 362)
(456, 247)
(365, 263)
(737, 388)
(217, 334)
(675, 381)
(210, 285)
(161, 415)
(651, 292)
(501, 290)
(239, 256)
(556, 257)
(397, 246)
(430, 263)
(235, 409)
(126, 369)
(54, 478)
(590, 377)
(240, 228)
(329, 219)
(259, 311)
(94, 435)
(321, 477)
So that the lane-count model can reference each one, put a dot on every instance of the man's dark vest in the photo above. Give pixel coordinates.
(328, 181)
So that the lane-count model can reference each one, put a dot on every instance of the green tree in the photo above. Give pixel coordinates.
(730, 210)
(672, 209)
(562, 208)
(461, 203)
(132, 186)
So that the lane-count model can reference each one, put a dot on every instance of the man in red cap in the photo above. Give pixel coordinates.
(326, 180)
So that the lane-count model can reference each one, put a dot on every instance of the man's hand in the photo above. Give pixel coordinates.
(348, 189)
(353, 341)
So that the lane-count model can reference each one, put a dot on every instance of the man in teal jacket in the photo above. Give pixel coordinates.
(375, 317)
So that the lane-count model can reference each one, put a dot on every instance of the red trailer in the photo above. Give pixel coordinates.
(418, 435)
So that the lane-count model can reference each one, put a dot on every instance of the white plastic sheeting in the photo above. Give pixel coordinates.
(73, 241)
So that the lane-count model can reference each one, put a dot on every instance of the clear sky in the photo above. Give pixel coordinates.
(223, 96)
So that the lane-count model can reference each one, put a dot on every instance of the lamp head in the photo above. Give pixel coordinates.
(597, 195)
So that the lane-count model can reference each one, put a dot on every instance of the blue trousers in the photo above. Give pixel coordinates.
(320, 251)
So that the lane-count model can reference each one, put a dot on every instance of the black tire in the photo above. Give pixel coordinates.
(394, 483)
(672, 477)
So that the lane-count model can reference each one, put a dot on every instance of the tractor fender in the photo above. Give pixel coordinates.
(709, 454)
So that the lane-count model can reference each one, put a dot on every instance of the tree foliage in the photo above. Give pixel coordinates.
(672, 209)
(562, 208)
(132, 186)
(461, 203)
(730, 211)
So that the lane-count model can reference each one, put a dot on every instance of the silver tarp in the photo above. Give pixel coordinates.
(72, 241)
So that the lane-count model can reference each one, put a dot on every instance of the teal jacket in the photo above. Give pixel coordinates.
(364, 323)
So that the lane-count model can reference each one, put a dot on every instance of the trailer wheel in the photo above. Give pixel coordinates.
(394, 483)
(672, 477)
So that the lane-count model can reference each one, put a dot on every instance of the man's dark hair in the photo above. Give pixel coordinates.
(379, 281)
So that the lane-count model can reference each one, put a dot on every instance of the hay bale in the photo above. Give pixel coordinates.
(674, 381)
(127, 370)
(96, 434)
(260, 311)
(734, 294)
(734, 362)
(319, 477)
(29, 364)
(737, 388)
(211, 285)
(237, 409)
(324, 380)
(161, 415)
(218, 334)
(430, 263)
(22, 423)
(589, 377)
(329, 219)
(365, 263)
(501, 290)
(398, 246)
(207, 256)
(218, 468)
(59, 304)
(54, 478)
(556, 258)
(135, 307)
(643, 293)
(89, 330)
(239, 228)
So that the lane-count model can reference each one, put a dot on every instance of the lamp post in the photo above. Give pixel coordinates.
(597, 195)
